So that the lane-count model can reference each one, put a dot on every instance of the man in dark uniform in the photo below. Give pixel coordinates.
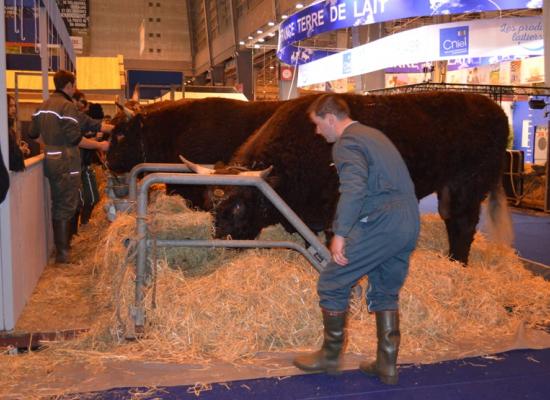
(57, 121)
(91, 126)
(375, 230)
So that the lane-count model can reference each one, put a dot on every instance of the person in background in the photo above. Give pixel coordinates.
(4, 179)
(56, 121)
(375, 229)
(89, 193)
(16, 152)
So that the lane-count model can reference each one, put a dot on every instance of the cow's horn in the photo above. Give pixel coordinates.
(264, 173)
(199, 169)
(129, 113)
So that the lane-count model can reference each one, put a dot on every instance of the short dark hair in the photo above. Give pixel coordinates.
(78, 95)
(329, 104)
(62, 78)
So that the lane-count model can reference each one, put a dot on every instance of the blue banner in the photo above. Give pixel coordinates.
(329, 15)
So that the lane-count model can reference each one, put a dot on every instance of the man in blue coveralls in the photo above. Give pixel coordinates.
(375, 231)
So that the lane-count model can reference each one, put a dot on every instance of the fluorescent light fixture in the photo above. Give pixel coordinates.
(299, 5)
(241, 42)
(250, 37)
(271, 23)
(261, 40)
(259, 31)
(256, 46)
(272, 34)
(284, 16)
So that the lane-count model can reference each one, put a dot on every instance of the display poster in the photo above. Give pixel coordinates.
(493, 38)
(75, 13)
(329, 15)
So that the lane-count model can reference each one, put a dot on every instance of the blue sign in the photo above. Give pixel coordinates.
(331, 15)
(346, 62)
(454, 41)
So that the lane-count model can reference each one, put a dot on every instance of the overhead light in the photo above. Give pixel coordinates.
(241, 42)
(299, 5)
(284, 16)
(271, 23)
(272, 34)
(250, 37)
(261, 40)
(271, 67)
(259, 31)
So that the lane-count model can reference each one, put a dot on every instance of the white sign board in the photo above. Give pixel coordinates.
(479, 38)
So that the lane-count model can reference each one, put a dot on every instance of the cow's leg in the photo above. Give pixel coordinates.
(460, 211)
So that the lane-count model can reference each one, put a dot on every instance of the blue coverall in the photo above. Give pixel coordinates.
(378, 216)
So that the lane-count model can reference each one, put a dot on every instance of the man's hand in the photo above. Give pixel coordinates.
(337, 248)
(103, 146)
(106, 128)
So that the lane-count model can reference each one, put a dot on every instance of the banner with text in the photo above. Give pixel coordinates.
(329, 15)
(517, 37)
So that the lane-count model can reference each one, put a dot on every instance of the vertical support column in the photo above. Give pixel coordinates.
(546, 30)
(208, 38)
(288, 89)
(7, 317)
(44, 61)
(375, 79)
(244, 72)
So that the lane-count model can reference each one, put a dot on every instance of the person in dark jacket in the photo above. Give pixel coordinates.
(89, 192)
(57, 122)
(375, 229)
(17, 158)
(4, 179)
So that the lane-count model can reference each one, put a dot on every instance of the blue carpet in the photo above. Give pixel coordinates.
(523, 374)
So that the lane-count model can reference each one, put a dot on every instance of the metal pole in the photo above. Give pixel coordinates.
(44, 62)
(319, 250)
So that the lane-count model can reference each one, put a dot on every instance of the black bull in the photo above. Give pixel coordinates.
(453, 144)
(206, 131)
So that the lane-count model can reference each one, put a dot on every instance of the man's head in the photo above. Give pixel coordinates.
(330, 114)
(80, 100)
(65, 81)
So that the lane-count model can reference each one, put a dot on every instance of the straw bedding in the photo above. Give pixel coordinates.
(206, 304)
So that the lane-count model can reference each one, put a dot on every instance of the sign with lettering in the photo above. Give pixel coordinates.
(75, 13)
(330, 15)
(493, 39)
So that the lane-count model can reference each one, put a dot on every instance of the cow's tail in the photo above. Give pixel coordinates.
(498, 221)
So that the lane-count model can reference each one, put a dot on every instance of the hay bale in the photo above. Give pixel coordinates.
(265, 300)
(232, 305)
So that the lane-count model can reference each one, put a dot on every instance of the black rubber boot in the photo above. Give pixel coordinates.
(327, 359)
(61, 235)
(389, 336)
(74, 222)
(86, 213)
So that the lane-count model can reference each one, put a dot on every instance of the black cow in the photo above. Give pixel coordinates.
(453, 143)
(206, 131)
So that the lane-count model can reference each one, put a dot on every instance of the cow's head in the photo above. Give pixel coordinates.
(127, 147)
(240, 211)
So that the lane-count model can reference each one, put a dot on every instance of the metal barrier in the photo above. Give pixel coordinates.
(317, 254)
